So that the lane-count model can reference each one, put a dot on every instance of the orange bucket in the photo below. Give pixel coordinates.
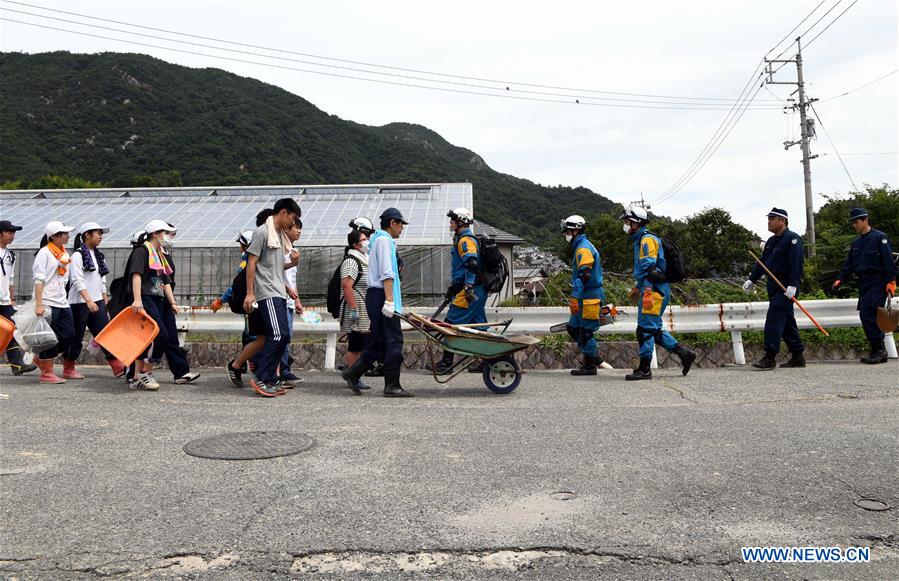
(128, 335)
(6, 330)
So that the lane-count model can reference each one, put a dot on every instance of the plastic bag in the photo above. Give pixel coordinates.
(311, 317)
(34, 333)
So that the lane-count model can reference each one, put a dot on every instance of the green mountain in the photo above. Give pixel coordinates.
(131, 120)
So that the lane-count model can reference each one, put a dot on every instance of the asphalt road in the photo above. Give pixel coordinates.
(666, 479)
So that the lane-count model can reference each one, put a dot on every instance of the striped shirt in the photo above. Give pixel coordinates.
(350, 268)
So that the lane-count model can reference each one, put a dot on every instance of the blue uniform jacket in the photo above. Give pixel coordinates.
(648, 253)
(783, 257)
(871, 255)
(465, 246)
(586, 270)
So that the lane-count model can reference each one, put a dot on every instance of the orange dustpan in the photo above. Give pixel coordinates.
(128, 335)
(6, 330)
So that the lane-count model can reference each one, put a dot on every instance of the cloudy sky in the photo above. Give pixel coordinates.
(702, 50)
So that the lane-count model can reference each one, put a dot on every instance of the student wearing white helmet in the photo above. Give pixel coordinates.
(88, 296)
(51, 275)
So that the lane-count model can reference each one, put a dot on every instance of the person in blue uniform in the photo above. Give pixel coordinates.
(871, 259)
(784, 258)
(587, 294)
(467, 293)
(652, 291)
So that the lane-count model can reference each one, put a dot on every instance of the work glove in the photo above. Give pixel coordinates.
(388, 309)
(354, 315)
(891, 287)
(836, 284)
(469, 295)
(216, 305)
(791, 292)
(747, 286)
(633, 295)
(647, 299)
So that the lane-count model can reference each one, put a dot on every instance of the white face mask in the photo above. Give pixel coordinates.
(168, 241)
(626, 228)
(365, 244)
(569, 238)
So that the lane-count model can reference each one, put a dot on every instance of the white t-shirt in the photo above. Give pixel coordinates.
(45, 270)
(85, 280)
(6, 275)
(290, 279)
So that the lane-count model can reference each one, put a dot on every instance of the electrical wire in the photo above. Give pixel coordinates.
(795, 28)
(868, 84)
(833, 145)
(807, 44)
(505, 83)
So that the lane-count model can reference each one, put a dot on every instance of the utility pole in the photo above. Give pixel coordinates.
(807, 130)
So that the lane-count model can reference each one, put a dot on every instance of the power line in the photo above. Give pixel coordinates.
(571, 101)
(868, 84)
(823, 16)
(795, 28)
(833, 145)
(831, 23)
(505, 83)
(353, 69)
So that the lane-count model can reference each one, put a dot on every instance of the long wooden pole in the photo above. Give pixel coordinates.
(797, 303)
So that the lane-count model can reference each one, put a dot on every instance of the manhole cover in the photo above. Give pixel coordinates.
(249, 445)
(872, 504)
(563, 495)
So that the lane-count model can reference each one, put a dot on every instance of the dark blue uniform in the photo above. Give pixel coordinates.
(871, 259)
(466, 262)
(783, 257)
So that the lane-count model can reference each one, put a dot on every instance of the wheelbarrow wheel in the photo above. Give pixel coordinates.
(501, 375)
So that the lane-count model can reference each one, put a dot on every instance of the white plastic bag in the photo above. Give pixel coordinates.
(34, 333)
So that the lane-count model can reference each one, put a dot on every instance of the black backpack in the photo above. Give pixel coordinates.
(119, 296)
(334, 287)
(675, 264)
(238, 293)
(494, 266)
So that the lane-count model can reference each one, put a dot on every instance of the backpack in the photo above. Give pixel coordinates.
(494, 266)
(119, 296)
(675, 263)
(238, 293)
(335, 287)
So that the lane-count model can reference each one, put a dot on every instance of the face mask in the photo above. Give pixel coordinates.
(365, 246)
(168, 241)
(569, 238)
(626, 228)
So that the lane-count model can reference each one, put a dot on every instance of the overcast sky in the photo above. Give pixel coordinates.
(704, 49)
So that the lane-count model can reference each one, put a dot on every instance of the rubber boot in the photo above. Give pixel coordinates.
(392, 387)
(687, 357)
(352, 374)
(445, 364)
(641, 372)
(118, 368)
(69, 371)
(47, 374)
(766, 362)
(877, 355)
(588, 367)
(796, 360)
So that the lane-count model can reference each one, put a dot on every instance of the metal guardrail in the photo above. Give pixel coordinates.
(725, 317)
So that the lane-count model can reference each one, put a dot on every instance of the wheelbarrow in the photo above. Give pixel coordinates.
(501, 373)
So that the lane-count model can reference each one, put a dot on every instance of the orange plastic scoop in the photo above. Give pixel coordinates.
(6, 330)
(128, 335)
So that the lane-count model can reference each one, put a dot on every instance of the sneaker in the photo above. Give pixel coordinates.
(235, 376)
(18, 370)
(289, 376)
(284, 383)
(144, 382)
(263, 389)
(187, 378)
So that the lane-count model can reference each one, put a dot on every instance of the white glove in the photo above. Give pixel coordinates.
(791, 292)
(747, 286)
(388, 310)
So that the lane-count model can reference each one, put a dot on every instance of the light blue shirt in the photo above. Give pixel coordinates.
(382, 265)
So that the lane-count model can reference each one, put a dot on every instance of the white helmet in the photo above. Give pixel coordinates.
(635, 214)
(245, 238)
(461, 215)
(135, 238)
(573, 222)
(362, 224)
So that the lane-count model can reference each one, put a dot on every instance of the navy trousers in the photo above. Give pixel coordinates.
(385, 343)
(277, 338)
(85, 319)
(780, 323)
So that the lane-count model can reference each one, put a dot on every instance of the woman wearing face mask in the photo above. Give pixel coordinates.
(148, 272)
(170, 309)
(51, 274)
(353, 316)
(88, 297)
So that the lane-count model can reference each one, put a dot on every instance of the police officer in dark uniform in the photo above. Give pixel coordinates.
(871, 258)
(783, 257)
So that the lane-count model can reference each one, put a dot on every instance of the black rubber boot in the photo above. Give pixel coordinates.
(352, 374)
(641, 372)
(877, 355)
(16, 361)
(445, 364)
(687, 357)
(392, 387)
(587, 368)
(796, 360)
(766, 362)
